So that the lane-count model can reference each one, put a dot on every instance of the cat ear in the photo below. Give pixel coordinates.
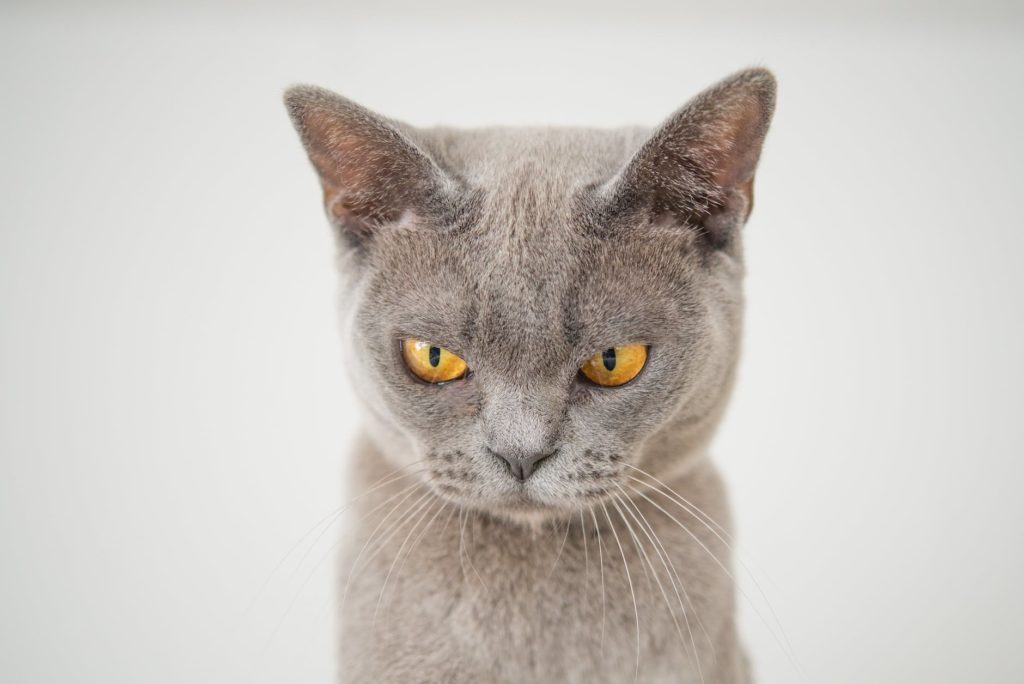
(370, 170)
(699, 165)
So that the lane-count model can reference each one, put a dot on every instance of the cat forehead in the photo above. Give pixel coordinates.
(516, 241)
(552, 289)
(533, 215)
(547, 160)
(530, 186)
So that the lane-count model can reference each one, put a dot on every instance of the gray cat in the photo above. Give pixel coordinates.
(543, 325)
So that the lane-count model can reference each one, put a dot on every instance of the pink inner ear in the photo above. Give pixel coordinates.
(349, 165)
(702, 159)
(343, 216)
(370, 171)
(739, 141)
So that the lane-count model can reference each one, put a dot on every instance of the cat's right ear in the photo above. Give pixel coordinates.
(370, 170)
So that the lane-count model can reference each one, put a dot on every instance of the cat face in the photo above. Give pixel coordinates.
(501, 262)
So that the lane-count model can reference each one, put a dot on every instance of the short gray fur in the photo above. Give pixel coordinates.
(526, 251)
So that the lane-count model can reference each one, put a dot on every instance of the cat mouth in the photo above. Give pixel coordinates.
(525, 498)
(519, 498)
(512, 494)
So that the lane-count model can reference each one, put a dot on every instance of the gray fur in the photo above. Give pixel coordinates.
(525, 251)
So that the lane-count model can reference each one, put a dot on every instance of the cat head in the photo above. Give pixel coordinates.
(532, 315)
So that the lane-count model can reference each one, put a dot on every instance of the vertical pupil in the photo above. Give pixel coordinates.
(608, 356)
(435, 356)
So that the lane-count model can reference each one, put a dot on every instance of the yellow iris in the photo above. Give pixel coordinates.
(615, 366)
(432, 363)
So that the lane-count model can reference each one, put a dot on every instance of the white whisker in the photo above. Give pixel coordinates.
(554, 566)
(600, 562)
(309, 576)
(470, 558)
(629, 579)
(586, 559)
(679, 496)
(670, 571)
(746, 597)
(326, 523)
(380, 597)
(398, 523)
(412, 549)
(718, 531)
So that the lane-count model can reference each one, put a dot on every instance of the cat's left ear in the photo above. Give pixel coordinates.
(699, 164)
(370, 168)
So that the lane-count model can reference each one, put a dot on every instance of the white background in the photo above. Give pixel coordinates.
(173, 408)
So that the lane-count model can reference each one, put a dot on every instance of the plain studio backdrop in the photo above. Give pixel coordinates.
(174, 409)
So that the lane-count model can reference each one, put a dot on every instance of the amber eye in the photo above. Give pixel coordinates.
(615, 366)
(431, 363)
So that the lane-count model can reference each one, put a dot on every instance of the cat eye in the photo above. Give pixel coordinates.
(615, 366)
(431, 363)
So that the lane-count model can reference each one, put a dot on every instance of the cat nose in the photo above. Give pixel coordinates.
(523, 465)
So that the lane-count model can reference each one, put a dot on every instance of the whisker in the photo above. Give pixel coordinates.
(328, 520)
(784, 646)
(679, 496)
(586, 559)
(690, 508)
(351, 503)
(677, 581)
(708, 522)
(423, 533)
(632, 593)
(426, 508)
(643, 566)
(291, 604)
(309, 576)
(469, 558)
(600, 562)
(415, 543)
(568, 524)
(448, 520)
(462, 535)
(399, 522)
(362, 517)
(669, 570)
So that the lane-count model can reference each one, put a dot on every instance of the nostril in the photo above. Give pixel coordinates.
(534, 463)
(522, 466)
